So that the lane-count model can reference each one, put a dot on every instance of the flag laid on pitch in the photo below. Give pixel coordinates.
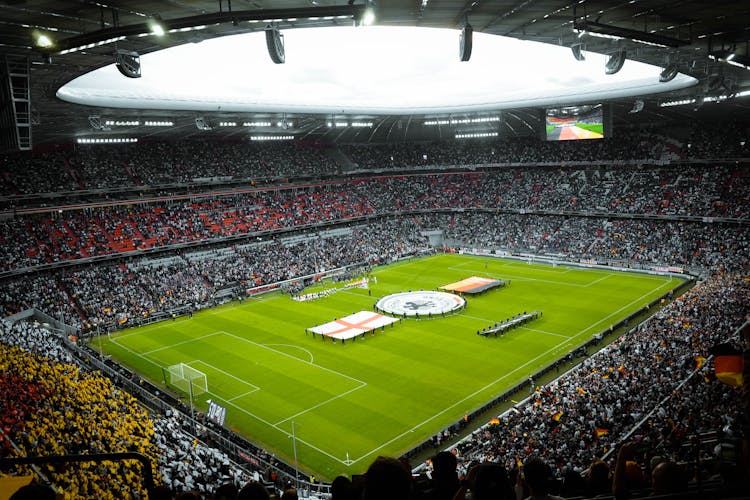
(474, 284)
(353, 325)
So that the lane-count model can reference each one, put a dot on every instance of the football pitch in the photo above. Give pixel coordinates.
(384, 394)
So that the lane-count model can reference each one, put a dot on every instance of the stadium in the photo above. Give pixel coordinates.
(328, 249)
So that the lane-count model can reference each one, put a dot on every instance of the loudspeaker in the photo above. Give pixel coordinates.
(615, 62)
(578, 51)
(637, 106)
(464, 46)
(202, 124)
(275, 44)
(668, 73)
(128, 63)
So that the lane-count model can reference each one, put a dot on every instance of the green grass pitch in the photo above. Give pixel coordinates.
(593, 127)
(386, 394)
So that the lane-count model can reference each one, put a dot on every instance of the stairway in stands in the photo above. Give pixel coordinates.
(75, 174)
(71, 300)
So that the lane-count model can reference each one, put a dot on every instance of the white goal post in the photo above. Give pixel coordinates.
(185, 378)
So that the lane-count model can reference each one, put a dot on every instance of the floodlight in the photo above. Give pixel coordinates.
(465, 42)
(128, 63)
(368, 17)
(615, 62)
(618, 33)
(156, 28)
(578, 51)
(668, 74)
(275, 44)
(43, 41)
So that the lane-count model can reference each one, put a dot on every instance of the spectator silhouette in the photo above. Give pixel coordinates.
(253, 491)
(492, 483)
(444, 482)
(387, 479)
(537, 476)
(34, 491)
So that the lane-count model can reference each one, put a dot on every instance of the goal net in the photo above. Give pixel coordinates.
(183, 376)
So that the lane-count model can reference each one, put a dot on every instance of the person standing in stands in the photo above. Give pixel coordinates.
(537, 476)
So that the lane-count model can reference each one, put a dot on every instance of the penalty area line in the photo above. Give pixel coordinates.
(170, 346)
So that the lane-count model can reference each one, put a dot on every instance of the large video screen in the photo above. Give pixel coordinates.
(575, 122)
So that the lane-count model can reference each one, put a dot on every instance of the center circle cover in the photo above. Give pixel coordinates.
(422, 303)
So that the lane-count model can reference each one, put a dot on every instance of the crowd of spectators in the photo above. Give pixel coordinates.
(587, 411)
(199, 279)
(579, 416)
(55, 405)
(646, 381)
(114, 166)
(626, 146)
(91, 167)
(694, 245)
(186, 280)
(723, 191)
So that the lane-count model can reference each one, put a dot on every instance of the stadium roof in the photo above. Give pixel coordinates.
(708, 41)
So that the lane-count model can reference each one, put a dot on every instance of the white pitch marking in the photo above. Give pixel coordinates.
(312, 359)
(196, 339)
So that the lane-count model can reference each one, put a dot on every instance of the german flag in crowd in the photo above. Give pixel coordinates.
(599, 432)
(699, 362)
(728, 369)
(557, 416)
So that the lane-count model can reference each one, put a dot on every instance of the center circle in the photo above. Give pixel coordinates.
(420, 303)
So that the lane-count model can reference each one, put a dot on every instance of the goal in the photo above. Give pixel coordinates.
(183, 377)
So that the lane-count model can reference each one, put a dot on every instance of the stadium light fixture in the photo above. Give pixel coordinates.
(157, 28)
(110, 35)
(476, 135)
(271, 137)
(122, 123)
(106, 140)
(615, 62)
(462, 121)
(160, 123)
(368, 16)
(677, 102)
(615, 32)
(43, 41)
